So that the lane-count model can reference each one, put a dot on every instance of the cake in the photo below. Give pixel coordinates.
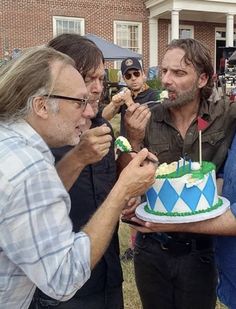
(123, 144)
(164, 95)
(183, 188)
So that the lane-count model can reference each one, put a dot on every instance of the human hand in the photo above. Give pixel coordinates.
(121, 98)
(129, 209)
(135, 120)
(138, 175)
(94, 145)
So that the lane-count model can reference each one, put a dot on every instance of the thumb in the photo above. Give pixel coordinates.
(103, 129)
(140, 157)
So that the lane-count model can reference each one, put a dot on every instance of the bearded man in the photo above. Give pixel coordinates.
(177, 270)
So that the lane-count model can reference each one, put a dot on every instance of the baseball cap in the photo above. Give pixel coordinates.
(130, 63)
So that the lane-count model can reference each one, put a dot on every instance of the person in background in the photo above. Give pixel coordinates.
(104, 287)
(138, 91)
(43, 103)
(177, 270)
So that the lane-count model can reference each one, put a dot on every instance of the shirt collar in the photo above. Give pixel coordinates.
(23, 129)
(144, 87)
(207, 111)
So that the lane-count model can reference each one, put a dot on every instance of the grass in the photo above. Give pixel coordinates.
(131, 297)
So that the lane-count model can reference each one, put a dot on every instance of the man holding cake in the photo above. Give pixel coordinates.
(177, 270)
(224, 225)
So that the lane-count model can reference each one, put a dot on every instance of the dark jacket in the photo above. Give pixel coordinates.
(87, 194)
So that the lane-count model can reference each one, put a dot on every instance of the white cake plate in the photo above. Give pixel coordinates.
(145, 216)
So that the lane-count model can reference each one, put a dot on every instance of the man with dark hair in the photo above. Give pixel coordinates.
(43, 103)
(104, 288)
(138, 91)
(177, 270)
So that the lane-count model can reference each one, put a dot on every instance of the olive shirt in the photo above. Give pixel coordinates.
(163, 139)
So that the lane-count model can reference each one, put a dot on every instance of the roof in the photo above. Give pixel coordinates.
(110, 50)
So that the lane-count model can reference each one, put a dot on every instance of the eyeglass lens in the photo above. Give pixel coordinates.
(129, 75)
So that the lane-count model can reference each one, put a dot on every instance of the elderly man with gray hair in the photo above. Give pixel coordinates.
(43, 103)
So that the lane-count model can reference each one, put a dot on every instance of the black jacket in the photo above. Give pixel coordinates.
(87, 194)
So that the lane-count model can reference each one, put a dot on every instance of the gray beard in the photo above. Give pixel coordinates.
(182, 100)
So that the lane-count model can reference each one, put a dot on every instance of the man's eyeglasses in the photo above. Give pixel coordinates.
(81, 102)
(129, 75)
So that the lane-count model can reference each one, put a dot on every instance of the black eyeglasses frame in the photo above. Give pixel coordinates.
(81, 102)
(136, 74)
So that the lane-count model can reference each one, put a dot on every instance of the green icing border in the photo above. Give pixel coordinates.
(183, 214)
(199, 174)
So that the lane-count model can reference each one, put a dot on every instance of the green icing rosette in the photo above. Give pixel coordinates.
(123, 144)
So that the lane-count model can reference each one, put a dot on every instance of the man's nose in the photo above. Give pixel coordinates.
(166, 78)
(97, 86)
(88, 112)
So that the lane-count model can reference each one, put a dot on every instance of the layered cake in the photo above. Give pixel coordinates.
(183, 188)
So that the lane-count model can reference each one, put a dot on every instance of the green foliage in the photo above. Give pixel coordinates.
(155, 83)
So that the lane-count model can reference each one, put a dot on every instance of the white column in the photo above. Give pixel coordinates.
(229, 30)
(174, 24)
(153, 42)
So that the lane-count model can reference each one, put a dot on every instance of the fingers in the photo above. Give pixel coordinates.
(137, 116)
(132, 108)
(102, 130)
(140, 157)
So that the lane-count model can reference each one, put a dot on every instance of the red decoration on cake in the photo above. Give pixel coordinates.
(201, 124)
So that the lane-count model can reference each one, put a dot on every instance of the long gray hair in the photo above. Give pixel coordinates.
(25, 77)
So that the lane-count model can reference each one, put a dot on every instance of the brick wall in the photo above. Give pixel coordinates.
(27, 23)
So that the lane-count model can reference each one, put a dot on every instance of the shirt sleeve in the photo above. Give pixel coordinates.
(233, 209)
(37, 236)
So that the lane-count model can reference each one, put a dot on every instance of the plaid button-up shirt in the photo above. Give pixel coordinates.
(37, 245)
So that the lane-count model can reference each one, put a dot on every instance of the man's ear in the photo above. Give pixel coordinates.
(202, 80)
(144, 76)
(40, 107)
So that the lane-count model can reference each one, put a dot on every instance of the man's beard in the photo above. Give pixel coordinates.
(183, 99)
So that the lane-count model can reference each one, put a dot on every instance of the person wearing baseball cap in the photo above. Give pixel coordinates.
(130, 63)
(137, 92)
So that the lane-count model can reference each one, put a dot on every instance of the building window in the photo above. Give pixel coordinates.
(185, 32)
(63, 24)
(221, 35)
(128, 35)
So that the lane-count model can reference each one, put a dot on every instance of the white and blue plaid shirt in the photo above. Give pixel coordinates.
(37, 245)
